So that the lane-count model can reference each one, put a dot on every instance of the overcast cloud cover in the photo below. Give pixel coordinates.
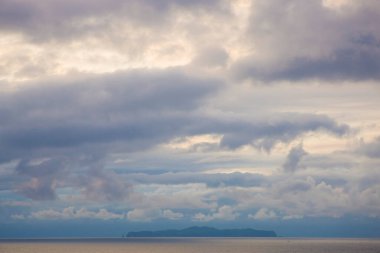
(138, 114)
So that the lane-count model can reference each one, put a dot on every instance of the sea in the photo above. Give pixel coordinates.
(191, 245)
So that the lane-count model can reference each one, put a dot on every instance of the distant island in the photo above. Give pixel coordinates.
(204, 232)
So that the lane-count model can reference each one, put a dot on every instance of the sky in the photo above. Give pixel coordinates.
(152, 114)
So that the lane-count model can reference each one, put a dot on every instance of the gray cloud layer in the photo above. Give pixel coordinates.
(52, 20)
(82, 120)
(294, 158)
(298, 40)
(88, 89)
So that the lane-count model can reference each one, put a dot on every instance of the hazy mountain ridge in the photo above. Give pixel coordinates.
(204, 232)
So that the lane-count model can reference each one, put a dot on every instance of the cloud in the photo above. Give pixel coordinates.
(132, 105)
(292, 217)
(43, 177)
(16, 203)
(202, 217)
(89, 83)
(300, 40)
(61, 20)
(122, 111)
(172, 196)
(211, 179)
(18, 217)
(353, 64)
(42, 174)
(38, 189)
(294, 158)
(263, 214)
(344, 64)
(145, 215)
(73, 213)
(222, 213)
(264, 135)
(211, 57)
(103, 186)
(169, 214)
(309, 196)
(72, 124)
(263, 40)
(371, 149)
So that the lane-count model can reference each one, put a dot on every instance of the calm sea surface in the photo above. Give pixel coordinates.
(190, 245)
